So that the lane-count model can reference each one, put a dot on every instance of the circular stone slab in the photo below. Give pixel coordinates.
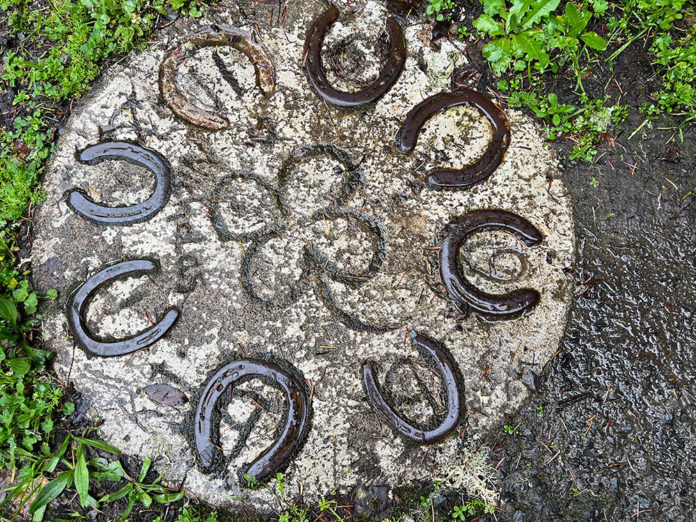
(299, 234)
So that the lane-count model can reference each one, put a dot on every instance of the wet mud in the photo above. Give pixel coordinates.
(611, 434)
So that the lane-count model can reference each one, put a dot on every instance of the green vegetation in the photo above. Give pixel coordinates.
(190, 514)
(532, 41)
(439, 9)
(511, 430)
(471, 509)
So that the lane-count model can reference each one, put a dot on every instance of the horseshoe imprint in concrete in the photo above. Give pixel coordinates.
(492, 157)
(244, 41)
(501, 306)
(137, 155)
(456, 406)
(387, 77)
(206, 432)
(77, 306)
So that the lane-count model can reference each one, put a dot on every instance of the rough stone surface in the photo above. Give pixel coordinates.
(206, 237)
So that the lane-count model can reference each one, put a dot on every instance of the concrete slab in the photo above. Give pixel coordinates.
(299, 234)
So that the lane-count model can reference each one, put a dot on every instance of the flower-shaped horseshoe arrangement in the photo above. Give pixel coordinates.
(316, 266)
(317, 269)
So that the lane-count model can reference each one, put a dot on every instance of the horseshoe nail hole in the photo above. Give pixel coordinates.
(455, 138)
(241, 207)
(314, 184)
(115, 183)
(276, 267)
(492, 258)
(343, 243)
(120, 309)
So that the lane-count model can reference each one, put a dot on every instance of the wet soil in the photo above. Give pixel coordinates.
(610, 435)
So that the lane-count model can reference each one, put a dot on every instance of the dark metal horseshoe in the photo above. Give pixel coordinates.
(137, 155)
(245, 41)
(78, 303)
(493, 155)
(456, 405)
(387, 77)
(293, 434)
(502, 306)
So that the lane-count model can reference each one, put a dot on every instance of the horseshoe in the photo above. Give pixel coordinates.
(387, 77)
(245, 41)
(492, 157)
(502, 306)
(131, 153)
(296, 424)
(78, 303)
(455, 394)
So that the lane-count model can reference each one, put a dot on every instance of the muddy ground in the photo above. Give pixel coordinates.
(611, 433)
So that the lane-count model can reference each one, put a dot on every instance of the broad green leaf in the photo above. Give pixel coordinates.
(576, 21)
(563, 42)
(81, 475)
(100, 445)
(486, 24)
(599, 6)
(37, 356)
(532, 48)
(51, 491)
(493, 7)
(146, 499)
(594, 41)
(8, 312)
(31, 303)
(52, 293)
(519, 7)
(19, 366)
(540, 9)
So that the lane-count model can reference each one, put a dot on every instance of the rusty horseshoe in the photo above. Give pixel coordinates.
(501, 306)
(297, 421)
(387, 77)
(77, 306)
(245, 41)
(131, 153)
(456, 405)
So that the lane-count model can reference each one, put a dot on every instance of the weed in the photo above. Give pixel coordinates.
(189, 514)
(471, 508)
(439, 8)
(511, 430)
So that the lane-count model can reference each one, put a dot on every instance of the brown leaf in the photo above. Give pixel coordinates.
(167, 395)
(21, 148)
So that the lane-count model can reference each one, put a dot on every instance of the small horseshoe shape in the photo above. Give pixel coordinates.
(492, 157)
(387, 77)
(131, 153)
(245, 41)
(456, 405)
(502, 306)
(78, 303)
(296, 424)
